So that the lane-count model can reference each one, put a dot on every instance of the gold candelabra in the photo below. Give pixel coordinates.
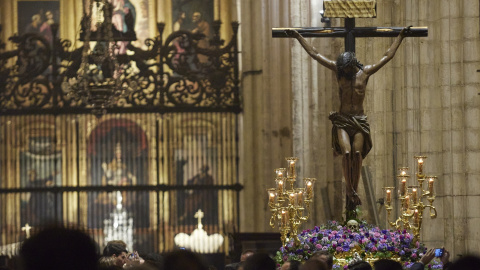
(289, 204)
(412, 199)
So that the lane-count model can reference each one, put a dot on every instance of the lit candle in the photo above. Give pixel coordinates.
(414, 195)
(271, 197)
(389, 196)
(292, 198)
(415, 217)
(420, 166)
(300, 198)
(292, 168)
(407, 202)
(403, 188)
(280, 186)
(430, 185)
(309, 189)
(284, 218)
(279, 173)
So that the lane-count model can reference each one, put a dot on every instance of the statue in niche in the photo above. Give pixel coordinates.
(351, 131)
(118, 156)
(115, 173)
(205, 199)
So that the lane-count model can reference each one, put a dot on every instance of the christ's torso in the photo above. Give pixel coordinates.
(352, 93)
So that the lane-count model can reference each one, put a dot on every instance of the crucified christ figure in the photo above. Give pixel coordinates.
(351, 131)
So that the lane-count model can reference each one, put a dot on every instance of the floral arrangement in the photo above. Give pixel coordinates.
(370, 242)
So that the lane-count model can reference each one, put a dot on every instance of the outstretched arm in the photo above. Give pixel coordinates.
(371, 69)
(312, 51)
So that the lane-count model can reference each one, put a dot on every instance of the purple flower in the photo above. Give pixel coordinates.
(335, 238)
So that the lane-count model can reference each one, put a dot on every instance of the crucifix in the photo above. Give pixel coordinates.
(199, 216)
(350, 132)
(27, 229)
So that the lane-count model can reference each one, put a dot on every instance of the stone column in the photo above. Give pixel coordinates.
(266, 121)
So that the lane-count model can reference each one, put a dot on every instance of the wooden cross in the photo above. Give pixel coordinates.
(350, 32)
(199, 216)
(27, 229)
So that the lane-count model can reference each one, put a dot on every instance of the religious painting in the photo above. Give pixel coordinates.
(195, 164)
(195, 16)
(40, 167)
(130, 18)
(117, 153)
(192, 14)
(37, 17)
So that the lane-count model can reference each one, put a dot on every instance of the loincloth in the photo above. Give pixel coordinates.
(352, 124)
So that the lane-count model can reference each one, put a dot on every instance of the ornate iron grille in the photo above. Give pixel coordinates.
(172, 75)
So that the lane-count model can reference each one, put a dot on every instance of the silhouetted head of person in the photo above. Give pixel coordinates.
(324, 256)
(184, 259)
(118, 250)
(469, 262)
(314, 265)
(155, 260)
(59, 248)
(105, 262)
(259, 261)
(291, 265)
(386, 264)
(360, 266)
(246, 253)
(347, 65)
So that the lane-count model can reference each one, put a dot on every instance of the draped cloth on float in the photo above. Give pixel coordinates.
(352, 124)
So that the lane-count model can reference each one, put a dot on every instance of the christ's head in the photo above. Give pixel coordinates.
(347, 65)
